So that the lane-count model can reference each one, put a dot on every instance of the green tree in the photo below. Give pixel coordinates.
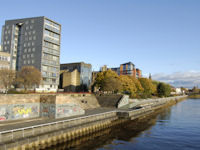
(164, 90)
(29, 77)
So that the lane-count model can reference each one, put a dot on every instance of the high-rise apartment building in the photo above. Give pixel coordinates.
(34, 42)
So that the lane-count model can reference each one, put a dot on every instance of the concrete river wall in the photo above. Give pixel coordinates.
(45, 135)
(25, 106)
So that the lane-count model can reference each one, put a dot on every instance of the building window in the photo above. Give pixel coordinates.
(24, 44)
(33, 31)
(33, 61)
(33, 49)
(33, 43)
(28, 55)
(24, 61)
(29, 50)
(34, 37)
(31, 27)
(25, 50)
(30, 38)
(32, 55)
(26, 22)
(25, 33)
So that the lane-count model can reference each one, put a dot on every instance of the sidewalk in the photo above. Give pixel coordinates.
(15, 124)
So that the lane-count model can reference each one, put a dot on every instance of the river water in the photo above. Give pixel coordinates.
(173, 128)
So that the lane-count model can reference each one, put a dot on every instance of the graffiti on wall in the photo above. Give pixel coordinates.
(23, 111)
(3, 114)
(68, 110)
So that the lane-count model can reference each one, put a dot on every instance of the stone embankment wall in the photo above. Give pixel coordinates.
(66, 129)
(21, 106)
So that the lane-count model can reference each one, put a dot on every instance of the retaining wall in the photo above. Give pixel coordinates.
(21, 106)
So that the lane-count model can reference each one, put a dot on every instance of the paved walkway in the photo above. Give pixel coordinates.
(15, 124)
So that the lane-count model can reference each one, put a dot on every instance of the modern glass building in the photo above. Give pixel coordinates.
(34, 42)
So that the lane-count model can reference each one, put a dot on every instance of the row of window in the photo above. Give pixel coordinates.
(30, 32)
(4, 58)
(27, 44)
(48, 74)
(50, 45)
(50, 62)
(29, 27)
(28, 50)
(7, 32)
(28, 56)
(52, 24)
(29, 21)
(51, 69)
(47, 80)
(51, 51)
(30, 38)
(6, 42)
(28, 62)
(50, 39)
(50, 57)
(51, 28)
(49, 33)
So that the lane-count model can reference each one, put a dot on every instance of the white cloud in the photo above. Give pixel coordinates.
(186, 79)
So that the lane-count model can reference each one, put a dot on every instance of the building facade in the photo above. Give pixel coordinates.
(4, 60)
(128, 69)
(34, 42)
(75, 75)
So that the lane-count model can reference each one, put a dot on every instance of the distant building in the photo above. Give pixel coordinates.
(4, 60)
(128, 69)
(138, 73)
(34, 42)
(117, 70)
(75, 77)
(103, 68)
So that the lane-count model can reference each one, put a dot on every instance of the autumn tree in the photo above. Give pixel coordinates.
(128, 85)
(164, 89)
(29, 77)
(7, 78)
(108, 81)
(149, 87)
(138, 86)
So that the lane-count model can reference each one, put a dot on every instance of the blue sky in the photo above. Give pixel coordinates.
(161, 37)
